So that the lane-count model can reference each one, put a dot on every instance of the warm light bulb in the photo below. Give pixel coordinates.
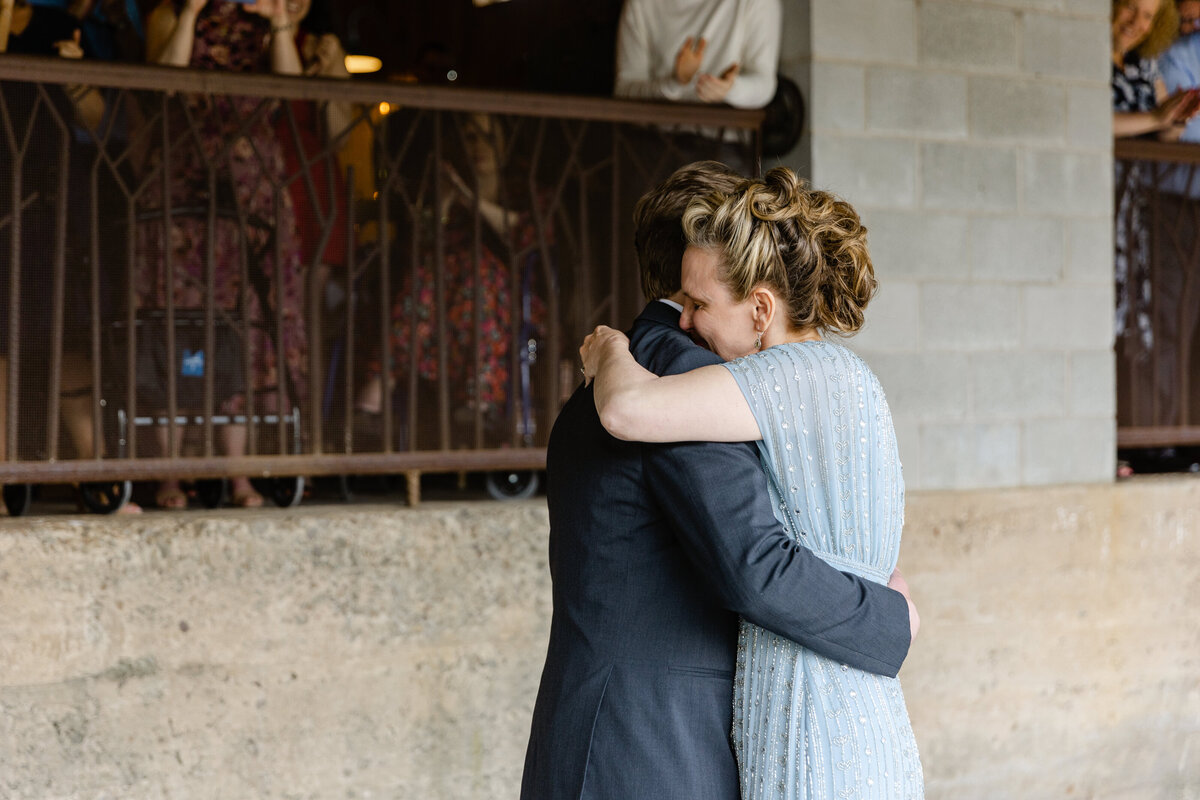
(358, 65)
(385, 108)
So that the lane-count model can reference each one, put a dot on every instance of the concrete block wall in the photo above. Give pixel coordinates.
(323, 653)
(974, 137)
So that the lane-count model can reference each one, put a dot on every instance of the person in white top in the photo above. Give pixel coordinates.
(706, 51)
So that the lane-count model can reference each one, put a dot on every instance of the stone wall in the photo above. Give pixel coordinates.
(975, 138)
(382, 652)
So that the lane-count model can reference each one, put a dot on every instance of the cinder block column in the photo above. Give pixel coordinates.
(974, 137)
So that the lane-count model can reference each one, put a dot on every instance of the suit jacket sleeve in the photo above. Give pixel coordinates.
(717, 495)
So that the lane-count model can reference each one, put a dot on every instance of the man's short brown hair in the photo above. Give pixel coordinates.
(658, 222)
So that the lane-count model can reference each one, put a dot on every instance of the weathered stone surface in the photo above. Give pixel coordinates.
(1060, 643)
(392, 653)
(312, 654)
(983, 168)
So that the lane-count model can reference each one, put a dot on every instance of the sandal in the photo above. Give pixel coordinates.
(171, 497)
(246, 497)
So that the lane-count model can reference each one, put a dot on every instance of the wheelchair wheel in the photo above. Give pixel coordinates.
(212, 492)
(105, 497)
(17, 498)
(512, 485)
(284, 492)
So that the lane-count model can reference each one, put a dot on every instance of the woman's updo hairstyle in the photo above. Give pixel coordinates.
(808, 246)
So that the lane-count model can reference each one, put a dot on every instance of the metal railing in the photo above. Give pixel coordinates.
(1157, 258)
(447, 247)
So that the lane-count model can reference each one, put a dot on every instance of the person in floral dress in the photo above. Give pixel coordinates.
(508, 236)
(234, 37)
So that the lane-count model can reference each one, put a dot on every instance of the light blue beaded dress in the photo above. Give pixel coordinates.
(804, 726)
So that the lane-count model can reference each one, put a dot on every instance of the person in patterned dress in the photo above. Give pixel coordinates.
(477, 366)
(770, 271)
(233, 37)
(1142, 108)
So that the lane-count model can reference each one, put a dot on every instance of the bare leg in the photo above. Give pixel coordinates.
(76, 413)
(169, 494)
(77, 405)
(233, 443)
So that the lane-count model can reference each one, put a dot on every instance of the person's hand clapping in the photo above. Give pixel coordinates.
(598, 346)
(1179, 109)
(712, 89)
(687, 60)
(328, 58)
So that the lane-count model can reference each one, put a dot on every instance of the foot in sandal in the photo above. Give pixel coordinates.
(244, 495)
(170, 496)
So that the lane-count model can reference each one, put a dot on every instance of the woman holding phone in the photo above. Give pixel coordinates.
(233, 37)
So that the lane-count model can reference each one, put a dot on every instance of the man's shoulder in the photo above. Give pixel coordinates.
(662, 347)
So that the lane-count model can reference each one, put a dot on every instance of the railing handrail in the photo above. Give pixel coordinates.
(294, 87)
(193, 467)
(1153, 150)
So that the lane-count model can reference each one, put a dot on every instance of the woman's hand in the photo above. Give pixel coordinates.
(599, 346)
(194, 6)
(70, 48)
(1178, 109)
(328, 58)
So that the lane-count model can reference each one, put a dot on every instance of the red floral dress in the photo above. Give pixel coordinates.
(228, 38)
(490, 386)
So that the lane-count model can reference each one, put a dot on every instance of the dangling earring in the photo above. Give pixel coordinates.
(758, 341)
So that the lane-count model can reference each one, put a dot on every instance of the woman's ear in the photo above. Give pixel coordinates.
(762, 307)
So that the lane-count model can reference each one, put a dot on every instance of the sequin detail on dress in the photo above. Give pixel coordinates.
(806, 727)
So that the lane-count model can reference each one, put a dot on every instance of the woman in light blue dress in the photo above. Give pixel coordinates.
(770, 271)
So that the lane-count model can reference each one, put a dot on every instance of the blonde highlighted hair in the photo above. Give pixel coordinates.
(806, 245)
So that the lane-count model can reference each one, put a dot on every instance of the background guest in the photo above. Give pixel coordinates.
(112, 29)
(315, 128)
(1141, 30)
(707, 51)
(225, 35)
(508, 235)
(1174, 316)
(53, 29)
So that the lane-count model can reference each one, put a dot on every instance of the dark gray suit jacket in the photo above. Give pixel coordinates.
(654, 552)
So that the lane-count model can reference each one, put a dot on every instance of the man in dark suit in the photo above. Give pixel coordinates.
(654, 552)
